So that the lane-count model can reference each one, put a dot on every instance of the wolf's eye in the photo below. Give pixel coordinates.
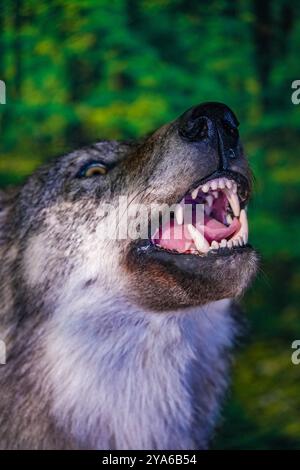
(93, 169)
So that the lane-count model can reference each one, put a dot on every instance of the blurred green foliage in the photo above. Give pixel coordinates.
(85, 70)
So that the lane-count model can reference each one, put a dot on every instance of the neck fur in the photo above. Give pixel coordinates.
(123, 378)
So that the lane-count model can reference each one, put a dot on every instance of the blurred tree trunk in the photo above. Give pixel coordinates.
(2, 51)
(74, 133)
(263, 45)
(285, 26)
(231, 9)
(18, 4)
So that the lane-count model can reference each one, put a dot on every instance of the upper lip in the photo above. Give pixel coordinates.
(243, 186)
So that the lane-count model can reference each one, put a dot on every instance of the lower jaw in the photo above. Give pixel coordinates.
(196, 243)
(224, 250)
(148, 247)
(167, 280)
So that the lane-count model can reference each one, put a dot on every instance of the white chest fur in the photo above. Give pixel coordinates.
(121, 378)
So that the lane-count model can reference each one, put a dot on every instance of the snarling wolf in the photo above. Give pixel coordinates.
(124, 343)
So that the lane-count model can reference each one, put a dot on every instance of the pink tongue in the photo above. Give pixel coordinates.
(215, 230)
(175, 237)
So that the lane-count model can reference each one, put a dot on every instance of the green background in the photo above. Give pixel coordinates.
(85, 70)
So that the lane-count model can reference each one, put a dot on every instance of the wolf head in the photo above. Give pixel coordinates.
(72, 222)
(102, 251)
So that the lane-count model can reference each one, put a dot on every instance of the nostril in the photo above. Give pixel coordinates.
(230, 129)
(194, 129)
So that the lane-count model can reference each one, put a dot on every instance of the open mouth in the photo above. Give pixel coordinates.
(208, 218)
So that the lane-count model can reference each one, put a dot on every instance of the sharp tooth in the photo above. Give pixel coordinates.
(221, 183)
(229, 219)
(242, 234)
(223, 243)
(179, 214)
(205, 188)
(241, 241)
(199, 240)
(209, 200)
(195, 193)
(244, 226)
(229, 243)
(234, 202)
(215, 194)
(214, 245)
(228, 184)
(214, 185)
(236, 237)
(234, 187)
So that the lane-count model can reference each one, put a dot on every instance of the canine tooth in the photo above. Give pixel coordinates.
(195, 193)
(235, 242)
(242, 234)
(214, 245)
(223, 243)
(215, 194)
(221, 183)
(244, 225)
(229, 219)
(228, 184)
(214, 185)
(210, 200)
(234, 202)
(199, 240)
(234, 187)
(179, 214)
(205, 188)
(229, 243)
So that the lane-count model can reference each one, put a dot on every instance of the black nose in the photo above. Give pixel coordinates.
(214, 123)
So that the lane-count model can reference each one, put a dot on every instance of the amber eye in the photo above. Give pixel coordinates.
(93, 169)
